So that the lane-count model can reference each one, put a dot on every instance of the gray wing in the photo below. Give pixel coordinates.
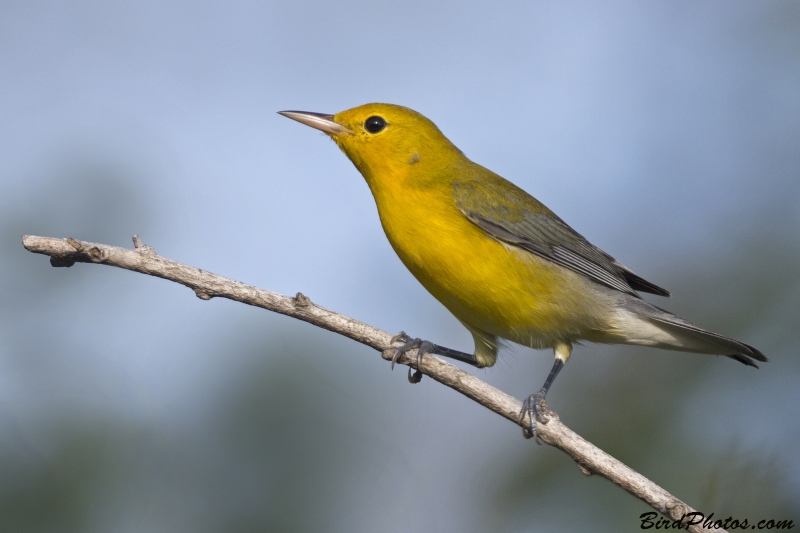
(512, 216)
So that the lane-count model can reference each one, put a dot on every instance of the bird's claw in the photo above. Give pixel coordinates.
(416, 377)
(533, 407)
(423, 347)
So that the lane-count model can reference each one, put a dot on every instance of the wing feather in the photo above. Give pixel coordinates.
(516, 218)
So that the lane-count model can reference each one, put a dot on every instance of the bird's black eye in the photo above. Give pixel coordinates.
(374, 124)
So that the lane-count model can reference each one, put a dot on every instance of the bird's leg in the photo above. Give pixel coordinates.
(534, 405)
(425, 347)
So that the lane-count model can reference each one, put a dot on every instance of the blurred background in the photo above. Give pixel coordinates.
(667, 133)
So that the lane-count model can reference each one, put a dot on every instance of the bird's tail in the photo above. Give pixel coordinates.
(645, 324)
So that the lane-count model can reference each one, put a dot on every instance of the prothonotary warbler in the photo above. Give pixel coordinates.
(504, 264)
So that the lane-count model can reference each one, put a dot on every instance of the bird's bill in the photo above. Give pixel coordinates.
(320, 121)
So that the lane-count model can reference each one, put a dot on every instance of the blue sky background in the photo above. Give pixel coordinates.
(668, 133)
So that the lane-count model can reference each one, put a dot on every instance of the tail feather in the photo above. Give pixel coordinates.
(649, 325)
(746, 360)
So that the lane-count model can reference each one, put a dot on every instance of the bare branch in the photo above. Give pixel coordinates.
(143, 259)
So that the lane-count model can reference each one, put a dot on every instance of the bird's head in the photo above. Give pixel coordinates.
(385, 141)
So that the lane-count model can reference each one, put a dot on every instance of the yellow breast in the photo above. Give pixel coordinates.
(486, 284)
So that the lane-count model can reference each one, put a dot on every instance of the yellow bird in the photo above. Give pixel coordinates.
(504, 264)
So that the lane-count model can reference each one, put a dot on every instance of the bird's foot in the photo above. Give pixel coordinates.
(533, 407)
(423, 347)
